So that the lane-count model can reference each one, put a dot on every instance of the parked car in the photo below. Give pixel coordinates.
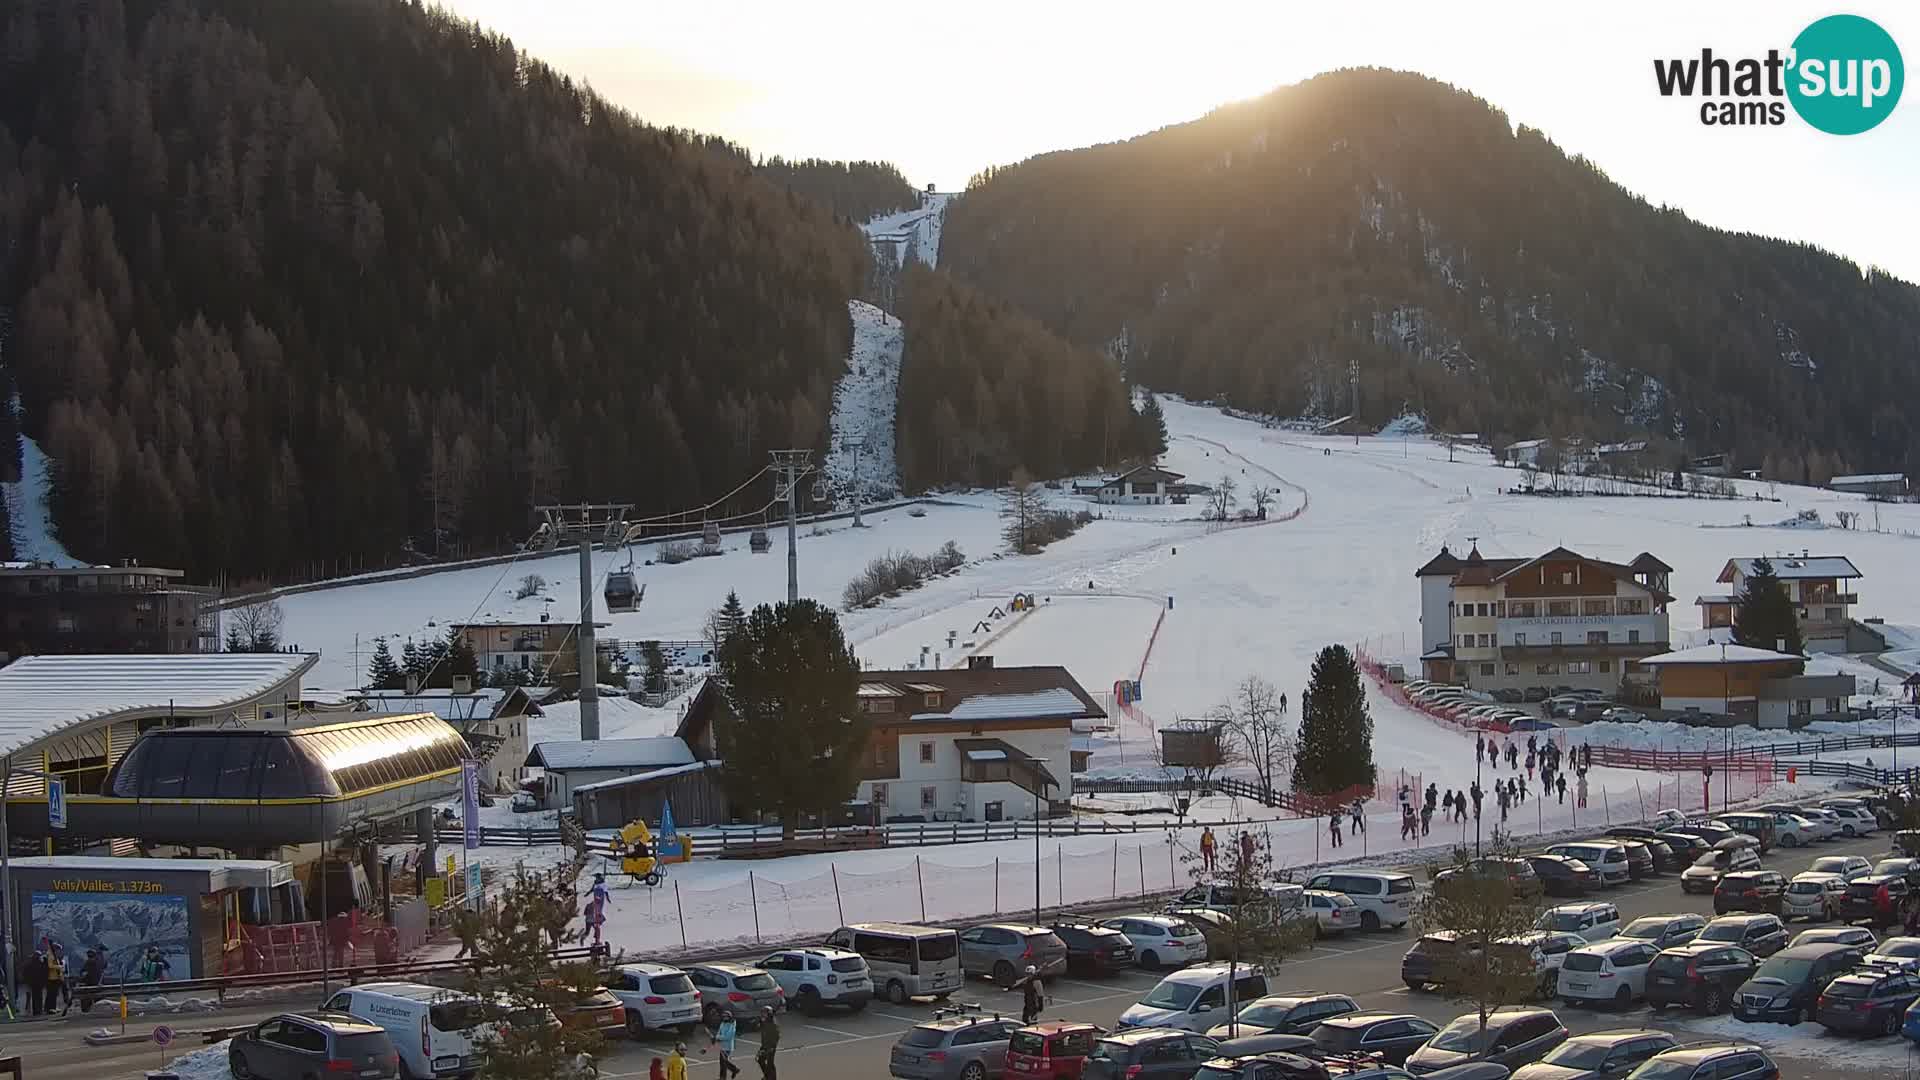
(656, 997)
(1215, 926)
(1702, 976)
(1513, 1036)
(1791, 828)
(1509, 695)
(1786, 988)
(1761, 935)
(1761, 827)
(1750, 890)
(1855, 819)
(1285, 1014)
(1391, 1035)
(1161, 939)
(436, 1031)
(1518, 874)
(1837, 935)
(1705, 873)
(295, 1046)
(1875, 899)
(1050, 1050)
(1549, 949)
(1385, 899)
(739, 987)
(902, 961)
(1251, 1045)
(1005, 952)
(1711, 831)
(1902, 866)
(1641, 862)
(966, 1047)
(1149, 1054)
(1664, 858)
(1723, 1061)
(1591, 921)
(1562, 875)
(1194, 999)
(1093, 949)
(1224, 896)
(1602, 1055)
(1612, 971)
(1606, 856)
(1275, 1066)
(1686, 847)
(816, 977)
(1665, 931)
(1868, 1001)
(597, 1010)
(1430, 961)
(1825, 821)
(1896, 952)
(1813, 896)
(1333, 913)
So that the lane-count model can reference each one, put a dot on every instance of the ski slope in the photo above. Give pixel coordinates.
(34, 539)
(915, 233)
(864, 403)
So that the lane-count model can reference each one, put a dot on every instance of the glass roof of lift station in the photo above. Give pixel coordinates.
(330, 761)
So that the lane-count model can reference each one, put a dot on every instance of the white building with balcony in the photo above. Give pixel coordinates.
(1820, 586)
(1552, 620)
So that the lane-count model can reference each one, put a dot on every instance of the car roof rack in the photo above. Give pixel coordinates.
(970, 1010)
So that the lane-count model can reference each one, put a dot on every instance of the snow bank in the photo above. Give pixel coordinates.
(205, 1063)
(1888, 1057)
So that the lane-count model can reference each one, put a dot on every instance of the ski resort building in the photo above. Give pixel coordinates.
(573, 763)
(1820, 586)
(1556, 619)
(1874, 485)
(1749, 686)
(980, 743)
(103, 609)
(528, 646)
(1148, 485)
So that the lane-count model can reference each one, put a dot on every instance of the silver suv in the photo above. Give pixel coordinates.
(1005, 951)
(816, 977)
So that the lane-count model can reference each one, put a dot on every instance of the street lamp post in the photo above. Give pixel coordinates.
(1038, 798)
(1726, 710)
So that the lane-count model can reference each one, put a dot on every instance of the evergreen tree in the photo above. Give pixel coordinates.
(512, 963)
(791, 735)
(1763, 614)
(1023, 504)
(1151, 426)
(1336, 732)
(382, 672)
(235, 640)
(732, 615)
(413, 664)
(460, 659)
(655, 662)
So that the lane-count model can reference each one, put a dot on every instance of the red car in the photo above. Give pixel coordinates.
(1054, 1050)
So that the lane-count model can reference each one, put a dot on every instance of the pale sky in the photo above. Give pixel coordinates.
(943, 90)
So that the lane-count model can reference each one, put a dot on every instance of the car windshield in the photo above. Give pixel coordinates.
(1217, 1072)
(923, 1036)
(849, 963)
(1829, 865)
(1399, 885)
(1663, 1070)
(1577, 1055)
(1788, 969)
(1645, 929)
(1031, 1043)
(1183, 929)
(942, 947)
(455, 1015)
(1847, 988)
(1263, 1015)
(1713, 858)
(1560, 920)
(1899, 948)
(1335, 1038)
(1804, 888)
(676, 983)
(1723, 932)
(1464, 1036)
(759, 980)
(1892, 866)
(1172, 995)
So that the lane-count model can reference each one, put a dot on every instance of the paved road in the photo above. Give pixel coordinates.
(843, 1046)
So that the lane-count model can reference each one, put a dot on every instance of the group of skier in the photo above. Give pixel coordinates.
(1545, 758)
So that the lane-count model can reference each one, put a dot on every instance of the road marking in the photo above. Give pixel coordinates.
(836, 1031)
(915, 1020)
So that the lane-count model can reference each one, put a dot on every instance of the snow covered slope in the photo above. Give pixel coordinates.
(864, 404)
(33, 535)
(915, 233)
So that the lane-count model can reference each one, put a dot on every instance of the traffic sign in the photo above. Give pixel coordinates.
(162, 1034)
(56, 802)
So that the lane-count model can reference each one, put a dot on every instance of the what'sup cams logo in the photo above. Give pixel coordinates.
(1843, 75)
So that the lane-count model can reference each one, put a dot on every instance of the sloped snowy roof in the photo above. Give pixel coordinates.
(1790, 567)
(1040, 703)
(650, 775)
(986, 755)
(662, 750)
(46, 695)
(1716, 654)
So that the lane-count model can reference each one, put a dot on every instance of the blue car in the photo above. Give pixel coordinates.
(1911, 1026)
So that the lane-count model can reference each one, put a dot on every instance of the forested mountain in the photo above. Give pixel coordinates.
(985, 388)
(1472, 269)
(295, 282)
(857, 191)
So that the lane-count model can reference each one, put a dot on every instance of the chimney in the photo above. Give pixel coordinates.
(413, 685)
(979, 663)
(463, 684)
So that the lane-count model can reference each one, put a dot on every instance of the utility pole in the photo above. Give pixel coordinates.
(589, 662)
(792, 466)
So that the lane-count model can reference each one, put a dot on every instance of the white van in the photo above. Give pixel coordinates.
(1196, 998)
(433, 1028)
(1386, 900)
(906, 961)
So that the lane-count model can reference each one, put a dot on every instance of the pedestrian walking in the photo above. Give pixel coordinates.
(1586, 756)
(1560, 784)
(36, 983)
(1333, 827)
(1580, 799)
(677, 1062)
(1478, 797)
(1032, 1001)
(92, 970)
(1246, 848)
(1359, 816)
(1433, 792)
(1501, 798)
(1206, 847)
(724, 1039)
(656, 1070)
(1426, 820)
(769, 1044)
